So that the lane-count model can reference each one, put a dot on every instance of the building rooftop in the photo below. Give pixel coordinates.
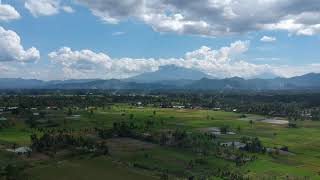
(3, 119)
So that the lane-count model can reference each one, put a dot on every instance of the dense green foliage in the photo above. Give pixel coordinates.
(191, 136)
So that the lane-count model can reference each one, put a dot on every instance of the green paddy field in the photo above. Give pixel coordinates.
(134, 159)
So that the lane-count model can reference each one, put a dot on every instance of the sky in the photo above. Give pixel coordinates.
(81, 39)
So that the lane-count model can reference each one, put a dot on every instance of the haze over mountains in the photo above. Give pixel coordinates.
(171, 77)
(169, 73)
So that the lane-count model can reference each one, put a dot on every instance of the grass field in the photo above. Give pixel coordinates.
(84, 169)
(303, 143)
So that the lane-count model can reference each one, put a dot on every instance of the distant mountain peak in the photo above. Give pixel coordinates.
(171, 77)
(170, 73)
(236, 78)
(169, 67)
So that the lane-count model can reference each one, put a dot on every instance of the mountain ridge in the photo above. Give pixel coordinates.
(169, 73)
(307, 81)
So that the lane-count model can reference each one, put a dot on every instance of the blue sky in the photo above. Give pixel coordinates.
(136, 43)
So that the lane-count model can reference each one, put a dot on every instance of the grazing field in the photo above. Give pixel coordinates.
(136, 159)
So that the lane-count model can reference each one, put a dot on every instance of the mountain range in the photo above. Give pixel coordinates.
(169, 73)
(170, 78)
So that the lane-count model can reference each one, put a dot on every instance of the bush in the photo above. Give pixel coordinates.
(243, 116)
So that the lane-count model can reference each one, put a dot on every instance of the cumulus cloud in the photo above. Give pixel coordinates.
(86, 63)
(268, 39)
(12, 50)
(213, 17)
(219, 63)
(42, 7)
(68, 9)
(290, 71)
(8, 13)
(113, 11)
(46, 7)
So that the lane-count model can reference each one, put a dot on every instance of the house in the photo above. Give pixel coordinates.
(21, 150)
(237, 145)
(54, 108)
(76, 116)
(179, 107)
(3, 119)
(13, 108)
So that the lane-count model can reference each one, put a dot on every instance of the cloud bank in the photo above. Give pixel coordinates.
(213, 17)
(46, 7)
(218, 63)
(202, 17)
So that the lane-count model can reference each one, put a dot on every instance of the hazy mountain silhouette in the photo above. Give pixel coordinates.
(169, 73)
(159, 80)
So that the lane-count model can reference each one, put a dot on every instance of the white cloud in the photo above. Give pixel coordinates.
(8, 13)
(303, 23)
(68, 9)
(113, 11)
(46, 7)
(290, 71)
(268, 39)
(12, 50)
(213, 17)
(81, 64)
(218, 63)
(89, 64)
(42, 7)
(222, 55)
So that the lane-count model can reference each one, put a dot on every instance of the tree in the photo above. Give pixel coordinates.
(164, 175)
(10, 172)
(224, 129)
(292, 125)
(42, 114)
(14, 146)
(70, 112)
(31, 122)
(251, 123)
(163, 139)
(238, 129)
(103, 148)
